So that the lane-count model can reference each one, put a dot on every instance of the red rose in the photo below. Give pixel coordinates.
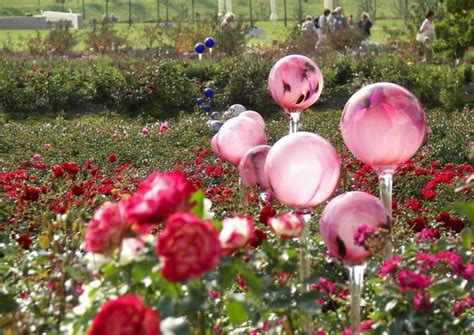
(161, 195)
(236, 233)
(71, 168)
(187, 248)
(24, 241)
(31, 194)
(76, 189)
(107, 229)
(125, 315)
(112, 158)
(266, 213)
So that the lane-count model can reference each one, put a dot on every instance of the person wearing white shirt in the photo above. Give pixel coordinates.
(427, 30)
(322, 26)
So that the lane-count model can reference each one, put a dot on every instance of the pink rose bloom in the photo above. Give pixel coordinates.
(125, 315)
(37, 157)
(286, 226)
(145, 131)
(107, 229)
(164, 127)
(46, 146)
(161, 195)
(187, 248)
(412, 281)
(236, 233)
(390, 266)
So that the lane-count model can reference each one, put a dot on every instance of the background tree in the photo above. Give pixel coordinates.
(455, 31)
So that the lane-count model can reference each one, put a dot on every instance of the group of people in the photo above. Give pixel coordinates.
(333, 21)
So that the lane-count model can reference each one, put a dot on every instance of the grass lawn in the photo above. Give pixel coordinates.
(273, 31)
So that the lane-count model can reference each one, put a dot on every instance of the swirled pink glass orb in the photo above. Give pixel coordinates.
(251, 167)
(237, 136)
(254, 116)
(348, 221)
(303, 169)
(383, 124)
(295, 83)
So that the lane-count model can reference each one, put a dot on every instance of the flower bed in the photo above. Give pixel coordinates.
(54, 179)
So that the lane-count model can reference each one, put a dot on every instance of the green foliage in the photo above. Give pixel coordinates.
(455, 31)
(167, 86)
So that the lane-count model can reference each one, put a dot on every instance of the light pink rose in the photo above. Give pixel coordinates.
(236, 233)
(164, 127)
(37, 157)
(107, 229)
(288, 225)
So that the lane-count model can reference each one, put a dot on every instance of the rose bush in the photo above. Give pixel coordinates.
(49, 205)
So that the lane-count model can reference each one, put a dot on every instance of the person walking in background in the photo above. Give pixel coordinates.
(309, 29)
(365, 24)
(226, 24)
(427, 36)
(322, 26)
(340, 20)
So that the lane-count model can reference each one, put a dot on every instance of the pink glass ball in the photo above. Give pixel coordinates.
(343, 218)
(383, 125)
(295, 83)
(303, 169)
(237, 136)
(254, 116)
(214, 147)
(251, 167)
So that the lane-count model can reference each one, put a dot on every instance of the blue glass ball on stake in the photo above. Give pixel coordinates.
(215, 115)
(209, 42)
(199, 101)
(207, 108)
(208, 92)
(200, 48)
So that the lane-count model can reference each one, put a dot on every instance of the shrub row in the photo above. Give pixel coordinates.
(148, 84)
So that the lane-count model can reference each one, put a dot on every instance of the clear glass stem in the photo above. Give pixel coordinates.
(200, 56)
(356, 283)
(386, 185)
(243, 195)
(305, 263)
(210, 51)
(294, 122)
(305, 260)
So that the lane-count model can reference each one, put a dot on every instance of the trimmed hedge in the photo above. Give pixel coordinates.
(133, 85)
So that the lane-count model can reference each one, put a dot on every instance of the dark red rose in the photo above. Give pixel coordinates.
(31, 194)
(112, 158)
(76, 190)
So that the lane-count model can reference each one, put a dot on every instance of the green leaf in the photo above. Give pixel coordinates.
(236, 312)
(467, 237)
(7, 304)
(142, 270)
(227, 276)
(74, 273)
(466, 209)
(197, 200)
(442, 287)
(252, 281)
